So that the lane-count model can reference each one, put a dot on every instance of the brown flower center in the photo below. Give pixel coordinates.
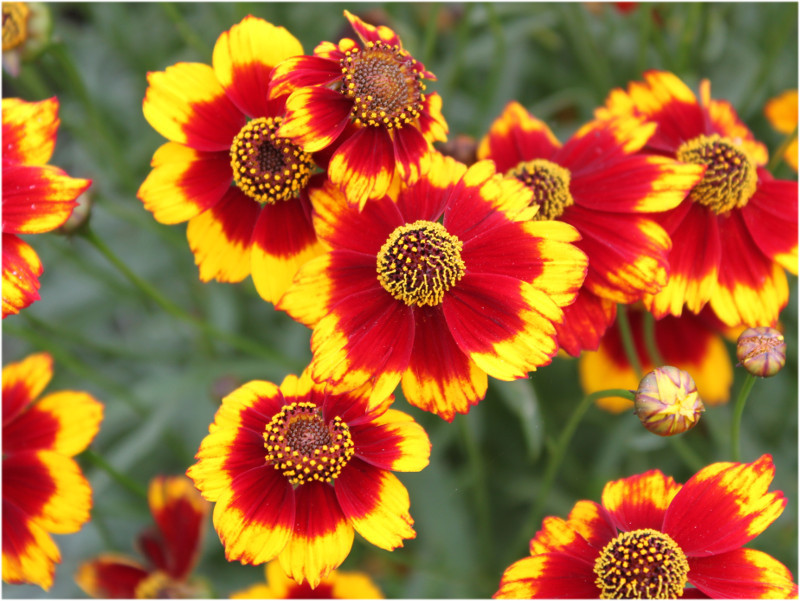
(266, 167)
(385, 88)
(15, 24)
(730, 178)
(550, 185)
(419, 262)
(642, 564)
(304, 447)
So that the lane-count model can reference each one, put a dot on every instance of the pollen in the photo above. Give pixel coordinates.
(266, 167)
(305, 447)
(550, 185)
(15, 24)
(730, 178)
(419, 262)
(642, 564)
(384, 84)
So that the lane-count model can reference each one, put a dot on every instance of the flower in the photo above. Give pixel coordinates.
(483, 291)
(294, 470)
(26, 32)
(44, 489)
(171, 549)
(690, 342)
(667, 402)
(736, 231)
(781, 112)
(762, 351)
(246, 202)
(337, 585)
(37, 197)
(366, 102)
(599, 184)
(694, 533)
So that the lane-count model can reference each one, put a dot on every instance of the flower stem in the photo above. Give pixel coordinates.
(650, 340)
(777, 156)
(478, 470)
(557, 456)
(738, 411)
(120, 478)
(186, 32)
(627, 340)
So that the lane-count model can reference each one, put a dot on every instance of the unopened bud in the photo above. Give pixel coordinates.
(762, 351)
(667, 401)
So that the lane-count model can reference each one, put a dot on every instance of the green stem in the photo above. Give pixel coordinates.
(499, 59)
(186, 32)
(431, 31)
(687, 455)
(650, 340)
(738, 411)
(119, 477)
(592, 59)
(627, 340)
(557, 456)
(777, 156)
(478, 471)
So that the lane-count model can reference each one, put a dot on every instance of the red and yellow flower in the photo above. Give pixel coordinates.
(781, 112)
(294, 471)
(367, 104)
(37, 197)
(242, 188)
(693, 343)
(44, 489)
(598, 183)
(438, 287)
(692, 534)
(171, 549)
(736, 232)
(336, 585)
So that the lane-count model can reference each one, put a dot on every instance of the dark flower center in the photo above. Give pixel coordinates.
(730, 178)
(550, 185)
(304, 447)
(385, 88)
(642, 564)
(419, 262)
(15, 24)
(266, 167)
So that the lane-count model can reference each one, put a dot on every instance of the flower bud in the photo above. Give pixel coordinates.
(762, 351)
(667, 401)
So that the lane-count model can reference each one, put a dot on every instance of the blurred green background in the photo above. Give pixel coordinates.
(161, 375)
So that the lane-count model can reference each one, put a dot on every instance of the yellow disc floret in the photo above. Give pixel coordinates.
(385, 87)
(550, 185)
(304, 447)
(419, 262)
(266, 167)
(730, 178)
(642, 564)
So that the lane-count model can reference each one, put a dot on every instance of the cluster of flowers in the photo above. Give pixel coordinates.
(317, 175)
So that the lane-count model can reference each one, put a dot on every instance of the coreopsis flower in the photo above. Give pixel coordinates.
(781, 112)
(652, 538)
(294, 470)
(171, 549)
(438, 287)
(667, 402)
(736, 232)
(44, 489)
(336, 585)
(242, 187)
(367, 102)
(599, 184)
(762, 351)
(692, 343)
(26, 32)
(37, 197)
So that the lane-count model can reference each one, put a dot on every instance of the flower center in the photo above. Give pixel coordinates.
(730, 178)
(642, 564)
(303, 447)
(550, 185)
(419, 262)
(15, 24)
(266, 167)
(385, 88)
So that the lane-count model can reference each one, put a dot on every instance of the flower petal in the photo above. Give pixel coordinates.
(244, 57)
(376, 503)
(110, 576)
(29, 131)
(548, 576)
(742, 574)
(29, 553)
(412, 153)
(585, 322)
(431, 122)
(322, 536)
(23, 382)
(724, 506)
(21, 271)
(184, 182)
(186, 104)
(364, 165)
(371, 33)
(771, 218)
(315, 117)
(304, 71)
(392, 441)
(440, 378)
(639, 501)
(220, 237)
